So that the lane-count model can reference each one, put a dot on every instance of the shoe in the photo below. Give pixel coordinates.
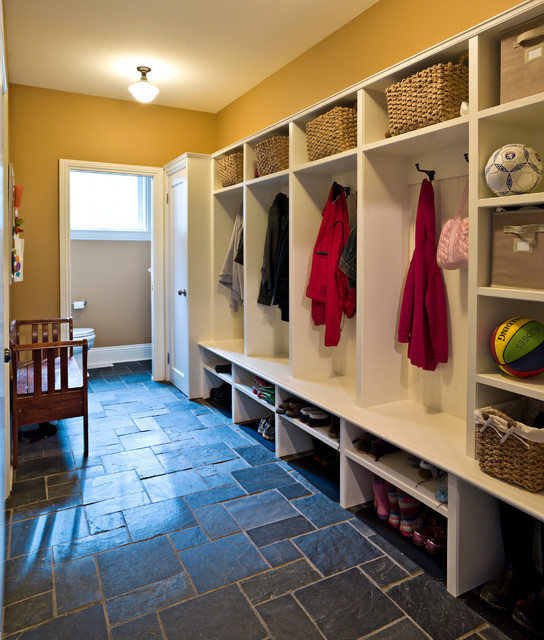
(269, 432)
(304, 413)
(284, 405)
(330, 457)
(442, 493)
(379, 448)
(294, 408)
(334, 429)
(319, 419)
(422, 534)
(511, 586)
(428, 471)
(364, 442)
(394, 512)
(436, 544)
(529, 613)
(381, 501)
(410, 514)
(258, 383)
(262, 425)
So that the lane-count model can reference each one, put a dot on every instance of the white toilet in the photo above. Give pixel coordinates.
(80, 334)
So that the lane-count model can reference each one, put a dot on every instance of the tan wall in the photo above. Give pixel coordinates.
(113, 278)
(47, 125)
(385, 34)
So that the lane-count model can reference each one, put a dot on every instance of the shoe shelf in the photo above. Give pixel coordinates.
(248, 391)
(226, 377)
(321, 433)
(395, 468)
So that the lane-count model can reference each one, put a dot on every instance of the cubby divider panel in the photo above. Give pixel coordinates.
(290, 440)
(266, 334)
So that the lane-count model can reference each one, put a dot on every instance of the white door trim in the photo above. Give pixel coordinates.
(157, 248)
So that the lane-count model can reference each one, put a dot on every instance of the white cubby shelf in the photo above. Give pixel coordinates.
(367, 381)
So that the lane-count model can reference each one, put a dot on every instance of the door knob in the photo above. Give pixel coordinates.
(7, 354)
(182, 292)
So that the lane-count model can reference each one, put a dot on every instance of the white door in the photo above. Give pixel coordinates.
(179, 356)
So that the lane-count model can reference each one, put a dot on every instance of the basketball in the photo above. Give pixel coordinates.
(517, 346)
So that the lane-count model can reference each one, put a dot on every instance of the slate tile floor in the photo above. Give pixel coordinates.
(181, 527)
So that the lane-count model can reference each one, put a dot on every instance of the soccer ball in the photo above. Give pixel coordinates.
(513, 169)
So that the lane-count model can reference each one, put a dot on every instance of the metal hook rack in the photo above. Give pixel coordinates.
(430, 173)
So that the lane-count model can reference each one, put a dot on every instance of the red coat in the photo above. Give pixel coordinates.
(328, 285)
(423, 317)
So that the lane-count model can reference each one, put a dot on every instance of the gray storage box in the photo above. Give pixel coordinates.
(517, 255)
(522, 61)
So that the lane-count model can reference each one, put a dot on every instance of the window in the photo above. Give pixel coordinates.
(110, 206)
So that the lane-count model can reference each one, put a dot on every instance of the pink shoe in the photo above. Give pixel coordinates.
(381, 502)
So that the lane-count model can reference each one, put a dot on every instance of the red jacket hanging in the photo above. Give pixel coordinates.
(423, 317)
(328, 285)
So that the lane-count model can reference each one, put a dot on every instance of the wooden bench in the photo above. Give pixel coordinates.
(47, 383)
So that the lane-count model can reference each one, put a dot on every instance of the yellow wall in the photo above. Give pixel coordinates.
(387, 33)
(47, 125)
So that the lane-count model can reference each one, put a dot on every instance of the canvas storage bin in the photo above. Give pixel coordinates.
(332, 132)
(522, 61)
(231, 169)
(272, 155)
(517, 252)
(509, 449)
(427, 97)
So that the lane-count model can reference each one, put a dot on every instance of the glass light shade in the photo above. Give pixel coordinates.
(143, 90)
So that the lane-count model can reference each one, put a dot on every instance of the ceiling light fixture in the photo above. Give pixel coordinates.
(143, 90)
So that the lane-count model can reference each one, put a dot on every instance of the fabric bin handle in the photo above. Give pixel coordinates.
(529, 35)
(524, 230)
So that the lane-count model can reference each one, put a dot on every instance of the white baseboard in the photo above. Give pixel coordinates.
(108, 356)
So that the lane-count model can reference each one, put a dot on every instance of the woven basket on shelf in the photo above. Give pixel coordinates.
(332, 132)
(272, 155)
(427, 97)
(510, 450)
(231, 169)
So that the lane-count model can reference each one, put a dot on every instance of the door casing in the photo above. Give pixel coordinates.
(157, 249)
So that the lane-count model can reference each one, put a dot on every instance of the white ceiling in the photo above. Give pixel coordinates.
(203, 54)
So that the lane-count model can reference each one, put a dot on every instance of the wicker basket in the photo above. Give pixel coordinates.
(429, 96)
(332, 132)
(231, 169)
(272, 155)
(508, 449)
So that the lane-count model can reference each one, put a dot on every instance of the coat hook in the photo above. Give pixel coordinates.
(466, 156)
(429, 173)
